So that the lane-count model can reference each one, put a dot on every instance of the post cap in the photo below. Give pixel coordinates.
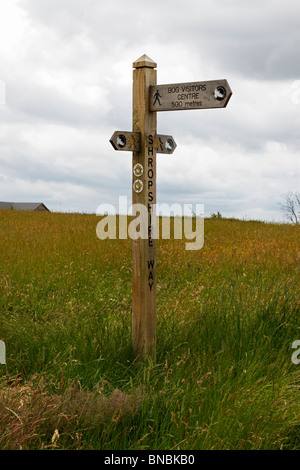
(144, 61)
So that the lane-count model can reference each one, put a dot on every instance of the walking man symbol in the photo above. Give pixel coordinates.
(156, 98)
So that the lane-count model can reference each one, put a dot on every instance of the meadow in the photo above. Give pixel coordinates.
(227, 316)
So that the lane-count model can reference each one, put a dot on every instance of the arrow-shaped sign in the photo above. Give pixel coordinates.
(165, 144)
(191, 95)
(123, 140)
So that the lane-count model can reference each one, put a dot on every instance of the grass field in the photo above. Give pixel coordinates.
(227, 316)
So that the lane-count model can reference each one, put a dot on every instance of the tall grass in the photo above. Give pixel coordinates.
(227, 316)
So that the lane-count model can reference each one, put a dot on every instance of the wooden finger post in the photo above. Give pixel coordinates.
(143, 141)
(144, 192)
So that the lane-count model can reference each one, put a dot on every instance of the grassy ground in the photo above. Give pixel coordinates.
(227, 316)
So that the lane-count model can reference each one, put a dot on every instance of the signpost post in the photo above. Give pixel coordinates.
(145, 143)
(144, 192)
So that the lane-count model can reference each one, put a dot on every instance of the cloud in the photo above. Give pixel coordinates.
(67, 72)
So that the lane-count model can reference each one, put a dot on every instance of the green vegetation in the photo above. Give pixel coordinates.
(227, 316)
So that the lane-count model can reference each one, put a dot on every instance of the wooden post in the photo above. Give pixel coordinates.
(144, 192)
(143, 141)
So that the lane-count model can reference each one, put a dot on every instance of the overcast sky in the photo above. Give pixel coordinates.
(66, 86)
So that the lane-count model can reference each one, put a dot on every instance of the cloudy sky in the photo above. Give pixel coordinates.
(66, 86)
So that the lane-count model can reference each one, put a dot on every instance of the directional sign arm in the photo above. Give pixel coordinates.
(124, 140)
(165, 144)
(191, 95)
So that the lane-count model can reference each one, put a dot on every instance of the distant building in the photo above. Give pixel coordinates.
(24, 206)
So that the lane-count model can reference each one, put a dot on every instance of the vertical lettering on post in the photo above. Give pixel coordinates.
(150, 174)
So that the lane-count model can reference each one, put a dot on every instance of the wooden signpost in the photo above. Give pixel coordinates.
(145, 143)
